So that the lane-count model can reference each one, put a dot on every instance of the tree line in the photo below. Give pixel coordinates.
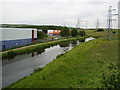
(65, 32)
(42, 27)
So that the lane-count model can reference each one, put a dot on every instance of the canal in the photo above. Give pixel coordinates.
(23, 65)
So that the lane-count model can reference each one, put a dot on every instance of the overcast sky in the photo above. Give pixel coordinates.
(57, 12)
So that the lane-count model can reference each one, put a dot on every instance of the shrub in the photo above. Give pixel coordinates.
(74, 42)
(113, 79)
(100, 30)
(82, 33)
(59, 55)
(64, 44)
(11, 53)
(38, 69)
(114, 32)
(74, 33)
(65, 32)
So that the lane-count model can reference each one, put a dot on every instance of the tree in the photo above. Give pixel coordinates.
(82, 33)
(65, 32)
(74, 32)
(41, 35)
(100, 30)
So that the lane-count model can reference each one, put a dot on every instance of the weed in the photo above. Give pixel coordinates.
(112, 81)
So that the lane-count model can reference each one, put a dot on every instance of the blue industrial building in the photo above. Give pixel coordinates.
(15, 37)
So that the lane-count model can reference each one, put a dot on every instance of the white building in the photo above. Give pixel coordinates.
(14, 37)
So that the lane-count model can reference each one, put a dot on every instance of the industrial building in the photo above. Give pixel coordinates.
(15, 37)
(54, 32)
(119, 15)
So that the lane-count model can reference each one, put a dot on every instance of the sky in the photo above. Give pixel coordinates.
(57, 12)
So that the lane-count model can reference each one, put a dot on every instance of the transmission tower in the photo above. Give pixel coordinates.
(109, 23)
(64, 24)
(86, 24)
(78, 24)
(97, 24)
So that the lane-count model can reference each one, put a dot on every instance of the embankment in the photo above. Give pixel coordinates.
(81, 67)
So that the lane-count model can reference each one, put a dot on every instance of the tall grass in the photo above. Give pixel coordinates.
(111, 81)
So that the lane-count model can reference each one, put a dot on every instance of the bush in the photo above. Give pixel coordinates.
(74, 42)
(82, 33)
(113, 79)
(100, 30)
(65, 32)
(114, 32)
(38, 69)
(11, 53)
(64, 44)
(59, 55)
(41, 35)
(74, 33)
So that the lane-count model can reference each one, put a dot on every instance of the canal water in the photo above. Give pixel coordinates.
(24, 65)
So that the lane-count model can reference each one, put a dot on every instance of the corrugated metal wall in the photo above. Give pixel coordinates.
(15, 37)
(17, 33)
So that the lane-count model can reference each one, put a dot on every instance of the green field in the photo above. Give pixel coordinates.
(81, 67)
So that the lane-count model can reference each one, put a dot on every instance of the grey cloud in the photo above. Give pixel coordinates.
(97, 2)
(53, 11)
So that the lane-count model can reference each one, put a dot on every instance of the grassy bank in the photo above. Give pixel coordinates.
(80, 67)
(13, 52)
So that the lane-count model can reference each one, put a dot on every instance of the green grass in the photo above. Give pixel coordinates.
(80, 67)
(101, 34)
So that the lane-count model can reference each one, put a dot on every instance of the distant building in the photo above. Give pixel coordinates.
(14, 37)
(54, 33)
(119, 15)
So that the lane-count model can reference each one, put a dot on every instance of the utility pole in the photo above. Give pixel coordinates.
(109, 23)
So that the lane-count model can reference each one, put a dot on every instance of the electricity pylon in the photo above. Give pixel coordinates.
(109, 23)
(97, 24)
(86, 24)
(78, 24)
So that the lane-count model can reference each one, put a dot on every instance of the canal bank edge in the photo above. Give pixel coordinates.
(32, 48)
